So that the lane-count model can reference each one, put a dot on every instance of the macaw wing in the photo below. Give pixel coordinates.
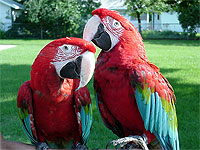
(25, 111)
(108, 119)
(156, 102)
(84, 112)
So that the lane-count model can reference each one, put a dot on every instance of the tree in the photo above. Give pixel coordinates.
(56, 18)
(20, 1)
(189, 15)
(136, 8)
(87, 6)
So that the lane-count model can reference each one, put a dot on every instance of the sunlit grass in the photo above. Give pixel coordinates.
(178, 61)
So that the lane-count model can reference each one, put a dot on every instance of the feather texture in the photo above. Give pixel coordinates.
(157, 110)
(25, 111)
(133, 97)
(84, 112)
(50, 107)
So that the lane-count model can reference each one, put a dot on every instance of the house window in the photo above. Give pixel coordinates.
(144, 17)
(158, 17)
(133, 18)
(150, 18)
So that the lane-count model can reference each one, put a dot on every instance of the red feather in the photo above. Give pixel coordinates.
(51, 100)
(118, 73)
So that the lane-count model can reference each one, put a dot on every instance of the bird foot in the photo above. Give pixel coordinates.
(130, 142)
(41, 146)
(79, 146)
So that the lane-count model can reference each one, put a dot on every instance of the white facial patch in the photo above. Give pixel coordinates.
(114, 29)
(66, 52)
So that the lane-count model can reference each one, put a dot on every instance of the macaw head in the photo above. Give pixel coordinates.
(72, 58)
(107, 28)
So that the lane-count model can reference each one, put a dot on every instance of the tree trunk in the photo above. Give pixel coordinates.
(139, 22)
(41, 32)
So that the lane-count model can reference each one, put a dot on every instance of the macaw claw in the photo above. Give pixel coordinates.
(41, 146)
(130, 142)
(80, 147)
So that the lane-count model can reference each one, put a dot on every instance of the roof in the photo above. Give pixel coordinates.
(12, 4)
(113, 4)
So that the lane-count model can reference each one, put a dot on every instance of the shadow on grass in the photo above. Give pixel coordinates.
(12, 76)
(187, 108)
(174, 42)
(168, 70)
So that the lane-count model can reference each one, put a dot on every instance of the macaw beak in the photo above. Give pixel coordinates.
(87, 68)
(80, 68)
(71, 69)
(95, 31)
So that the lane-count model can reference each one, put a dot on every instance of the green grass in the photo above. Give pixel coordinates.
(178, 61)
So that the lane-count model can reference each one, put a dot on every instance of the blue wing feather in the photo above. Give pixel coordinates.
(147, 114)
(159, 129)
(86, 121)
(156, 118)
(27, 127)
(151, 126)
(157, 110)
(84, 112)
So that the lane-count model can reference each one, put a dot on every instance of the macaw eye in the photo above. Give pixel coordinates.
(116, 24)
(65, 47)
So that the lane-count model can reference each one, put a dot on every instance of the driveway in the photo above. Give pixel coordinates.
(3, 47)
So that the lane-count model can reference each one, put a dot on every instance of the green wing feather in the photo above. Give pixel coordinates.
(25, 111)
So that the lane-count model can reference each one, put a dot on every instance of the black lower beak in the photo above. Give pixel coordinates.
(72, 69)
(102, 38)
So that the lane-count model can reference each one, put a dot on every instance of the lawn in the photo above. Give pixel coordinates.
(177, 60)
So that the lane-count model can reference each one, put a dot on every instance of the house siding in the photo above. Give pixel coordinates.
(167, 22)
(5, 17)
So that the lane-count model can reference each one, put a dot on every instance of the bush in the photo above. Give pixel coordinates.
(23, 30)
(147, 34)
(2, 34)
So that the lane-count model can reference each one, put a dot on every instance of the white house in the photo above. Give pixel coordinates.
(166, 22)
(9, 10)
(159, 22)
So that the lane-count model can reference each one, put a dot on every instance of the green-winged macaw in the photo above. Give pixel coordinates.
(133, 97)
(55, 106)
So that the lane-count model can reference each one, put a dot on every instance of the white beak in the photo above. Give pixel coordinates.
(87, 68)
(91, 28)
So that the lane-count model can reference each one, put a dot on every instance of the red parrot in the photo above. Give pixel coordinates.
(133, 97)
(55, 106)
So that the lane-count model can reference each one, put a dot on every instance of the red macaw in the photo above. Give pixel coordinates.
(133, 97)
(55, 106)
